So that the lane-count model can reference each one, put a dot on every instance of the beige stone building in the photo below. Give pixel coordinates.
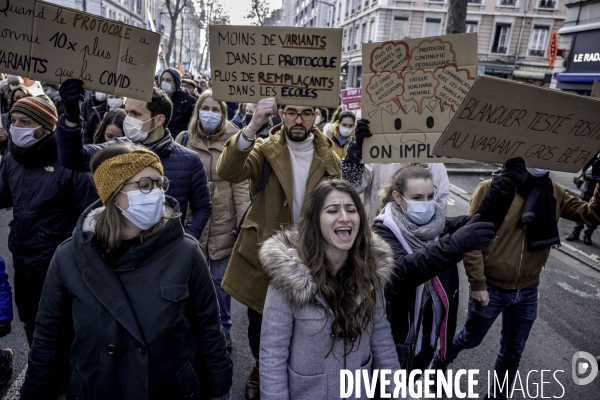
(513, 34)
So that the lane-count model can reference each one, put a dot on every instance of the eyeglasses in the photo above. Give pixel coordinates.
(147, 184)
(293, 114)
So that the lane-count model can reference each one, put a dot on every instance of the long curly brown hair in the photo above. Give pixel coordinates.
(352, 293)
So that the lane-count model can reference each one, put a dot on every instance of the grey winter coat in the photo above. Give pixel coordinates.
(146, 328)
(296, 335)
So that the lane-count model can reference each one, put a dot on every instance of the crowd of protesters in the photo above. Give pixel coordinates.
(135, 223)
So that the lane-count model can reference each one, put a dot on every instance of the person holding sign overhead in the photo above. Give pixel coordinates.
(300, 157)
(504, 277)
(145, 124)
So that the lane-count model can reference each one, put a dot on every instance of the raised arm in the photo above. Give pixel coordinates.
(200, 202)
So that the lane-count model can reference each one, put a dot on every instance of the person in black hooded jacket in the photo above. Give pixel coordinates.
(46, 198)
(183, 102)
(427, 246)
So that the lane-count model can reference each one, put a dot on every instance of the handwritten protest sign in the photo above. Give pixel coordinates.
(49, 43)
(351, 99)
(411, 90)
(501, 119)
(294, 65)
(596, 89)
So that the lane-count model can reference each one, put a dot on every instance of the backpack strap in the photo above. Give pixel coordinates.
(267, 168)
(186, 137)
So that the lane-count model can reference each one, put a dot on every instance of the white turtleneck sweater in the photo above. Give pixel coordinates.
(301, 154)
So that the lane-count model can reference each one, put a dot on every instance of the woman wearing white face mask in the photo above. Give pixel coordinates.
(423, 301)
(136, 293)
(341, 131)
(208, 132)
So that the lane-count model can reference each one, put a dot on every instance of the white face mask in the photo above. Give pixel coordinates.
(114, 102)
(12, 87)
(317, 120)
(209, 120)
(48, 92)
(537, 172)
(419, 212)
(145, 209)
(132, 127)
(167, 87)
(345, 132)
(23, 137)
(100, 96)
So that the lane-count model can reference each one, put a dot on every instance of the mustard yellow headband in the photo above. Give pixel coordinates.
(114, 172)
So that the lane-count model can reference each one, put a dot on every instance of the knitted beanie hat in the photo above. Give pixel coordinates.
(40, 109)
(114, 172)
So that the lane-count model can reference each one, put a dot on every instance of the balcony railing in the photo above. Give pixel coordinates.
(547, 4)
(537, 53)
(501, 50)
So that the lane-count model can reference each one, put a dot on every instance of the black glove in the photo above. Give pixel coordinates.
(514, 171)
(72, 92)
(362, 131)
(474, 235)
(4, 328)
(596, 169)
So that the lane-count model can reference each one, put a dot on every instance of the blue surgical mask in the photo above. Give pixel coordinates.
(209, 120)
(537, 172)
(145, 209)
(419, 212)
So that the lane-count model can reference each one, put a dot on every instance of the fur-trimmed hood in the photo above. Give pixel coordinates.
(286, 272)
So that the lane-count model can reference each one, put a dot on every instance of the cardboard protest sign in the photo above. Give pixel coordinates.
(501, 119)
(294, 65)
(411, 90)
(596, 89)
(49, 43)
(351, 99)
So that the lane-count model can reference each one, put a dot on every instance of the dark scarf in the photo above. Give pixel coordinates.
(539, 215)
(160, 146)
(40, 154)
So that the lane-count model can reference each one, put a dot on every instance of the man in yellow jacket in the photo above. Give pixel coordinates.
(301, 156)
(504, 278)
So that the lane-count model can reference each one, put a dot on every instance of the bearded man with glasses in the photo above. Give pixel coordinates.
(300, 156)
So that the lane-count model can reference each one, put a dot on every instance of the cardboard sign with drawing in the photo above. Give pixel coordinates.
(50, 43)
(411, 90)
(502, 119)
(294, 65)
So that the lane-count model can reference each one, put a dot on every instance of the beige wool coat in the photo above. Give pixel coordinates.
(229, 200)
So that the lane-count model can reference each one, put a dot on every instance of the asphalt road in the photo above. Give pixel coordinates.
(568, 321)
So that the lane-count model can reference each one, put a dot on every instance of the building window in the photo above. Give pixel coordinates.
(501, 38)
(399, 28)
(344, 40)
(539, 41)
(511, 3)
(471, 26)
(104, 11)
(347, 7)
(372, 30)
(433, 26)
(474, 1)
(356, 36)
(547, 4)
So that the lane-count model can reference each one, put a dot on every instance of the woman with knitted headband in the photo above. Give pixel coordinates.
(134, 291)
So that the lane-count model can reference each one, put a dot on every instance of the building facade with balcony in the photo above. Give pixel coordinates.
(579, 44)
(513, 34)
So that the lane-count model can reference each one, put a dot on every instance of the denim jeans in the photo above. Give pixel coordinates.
(519, 311)
(217, 270)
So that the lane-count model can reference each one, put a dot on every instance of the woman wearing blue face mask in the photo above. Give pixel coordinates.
(423, 299)
(207, 133)
(132, 293)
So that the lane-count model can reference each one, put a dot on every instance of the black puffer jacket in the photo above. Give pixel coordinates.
(183, 167)
(47, 200)
(183, 108)
(436, 259)
(147, 327)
